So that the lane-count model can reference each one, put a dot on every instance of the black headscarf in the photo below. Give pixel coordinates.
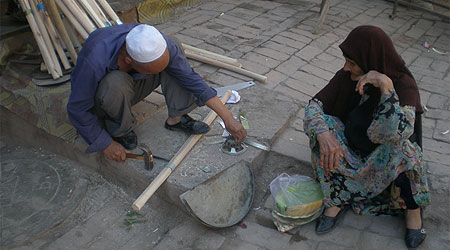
(371, 49)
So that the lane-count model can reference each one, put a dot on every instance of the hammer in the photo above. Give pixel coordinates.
(147, 156)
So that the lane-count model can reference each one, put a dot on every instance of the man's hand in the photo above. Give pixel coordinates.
(330, 152)
(115, 152)
(236, 129)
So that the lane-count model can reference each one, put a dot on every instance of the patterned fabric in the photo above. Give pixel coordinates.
(366, 183)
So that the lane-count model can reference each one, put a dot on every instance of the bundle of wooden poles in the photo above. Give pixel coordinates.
(61, 26)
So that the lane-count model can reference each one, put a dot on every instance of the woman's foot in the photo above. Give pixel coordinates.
(327, 221)
(415, 233)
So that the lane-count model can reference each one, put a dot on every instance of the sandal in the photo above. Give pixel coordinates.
(189, 125)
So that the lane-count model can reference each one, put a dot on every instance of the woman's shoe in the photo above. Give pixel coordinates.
(325, 223)
(415, 237)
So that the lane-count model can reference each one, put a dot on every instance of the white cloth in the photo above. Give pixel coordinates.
(234, 98)
(145, 43)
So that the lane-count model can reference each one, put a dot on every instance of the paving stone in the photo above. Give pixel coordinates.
(306, 79)
(263, 60)
(262, 236)
(243, 13)
(430, 74)
(303, 244)
(255, 67)
(374, 241)
(302, 32)
(242, 34)
(283, 11)
(305, 87)
(423, 62)
(359, 222)
(293, 146)
(226, 22)
(290, 66)
(440, 66)
(437, 101)
(329, 66)
(437, 168)
(308, 52)
(438, 114)
(267, 4)
(331, 246)
(297, 37)
(289, 42)
(222, 79)
(311, 69)
(274, 78)
(297, 95)
(436, 157)
(188, 40)
(81, 235)
(388, 226)
(191, 236)
(440, 131)
(340, 236)
(235, 244)
(200, 33)
(409, 56)
(272, 54)
(278, 47)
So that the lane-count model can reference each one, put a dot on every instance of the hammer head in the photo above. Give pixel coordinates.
(148, 156)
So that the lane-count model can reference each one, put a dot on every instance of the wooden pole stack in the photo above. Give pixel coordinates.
(63, 25)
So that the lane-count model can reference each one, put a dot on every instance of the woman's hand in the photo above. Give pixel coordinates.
(377, 79)
(115, 152)
(330, 152)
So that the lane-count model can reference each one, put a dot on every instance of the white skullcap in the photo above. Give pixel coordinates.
(145, 43)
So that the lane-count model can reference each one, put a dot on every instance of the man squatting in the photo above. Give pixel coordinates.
(121, 65)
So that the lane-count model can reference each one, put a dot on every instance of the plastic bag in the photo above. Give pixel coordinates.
(296, 196)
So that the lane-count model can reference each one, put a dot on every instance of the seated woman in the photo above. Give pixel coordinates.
(365, 136)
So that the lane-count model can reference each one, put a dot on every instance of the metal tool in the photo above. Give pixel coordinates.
(239, 86)
(147, 156)
(232, 147)
(256, 144)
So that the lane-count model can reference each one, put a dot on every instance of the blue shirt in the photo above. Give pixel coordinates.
(98, 57)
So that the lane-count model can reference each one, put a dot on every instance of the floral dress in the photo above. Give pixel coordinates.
(367, 182)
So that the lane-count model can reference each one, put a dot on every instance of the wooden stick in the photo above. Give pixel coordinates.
(71, 32)
(57, 43)
(179, 156)
(91, 13)
(75, 23)
(46, 37)
(38, 37)
(80, 15)
(242, 71)
(99, 12)
(54, 16)
(212, 55)
(111, 13)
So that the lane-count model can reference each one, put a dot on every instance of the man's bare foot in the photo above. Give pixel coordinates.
(413, 220)
(332, 211)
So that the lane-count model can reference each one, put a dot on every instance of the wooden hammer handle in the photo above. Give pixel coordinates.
(179, 156)
(135, 156)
